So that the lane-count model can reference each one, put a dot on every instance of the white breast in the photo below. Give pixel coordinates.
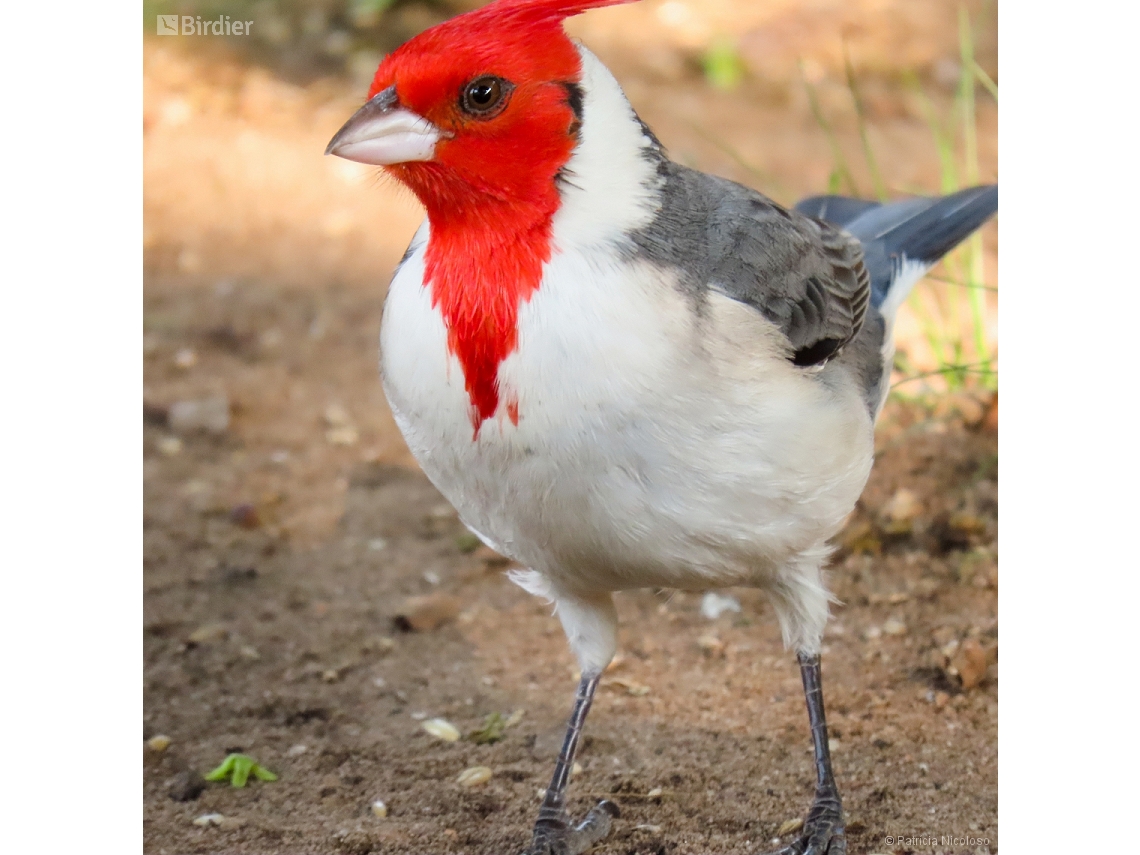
(654, 448)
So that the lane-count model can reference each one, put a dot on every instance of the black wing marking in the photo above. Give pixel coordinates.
(804, 275)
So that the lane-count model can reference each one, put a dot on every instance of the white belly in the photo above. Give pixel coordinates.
(653, 448)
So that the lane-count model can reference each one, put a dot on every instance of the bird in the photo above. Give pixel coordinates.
(622, 372)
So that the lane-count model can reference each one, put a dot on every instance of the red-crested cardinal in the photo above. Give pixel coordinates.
(622, 372)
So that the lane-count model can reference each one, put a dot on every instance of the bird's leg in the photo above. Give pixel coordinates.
(553, 833)
(823, 831)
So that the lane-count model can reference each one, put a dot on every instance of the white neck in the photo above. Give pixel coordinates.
(611, 182)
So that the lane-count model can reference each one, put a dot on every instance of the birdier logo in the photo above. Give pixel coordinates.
(193, 25)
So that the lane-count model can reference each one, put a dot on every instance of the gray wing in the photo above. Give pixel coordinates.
(804, 275)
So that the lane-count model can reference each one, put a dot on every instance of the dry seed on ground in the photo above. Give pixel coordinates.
(169, 446)
(442, 729)
(792, 825)
(474, 776)
(379, 809)
(894, 627)
(158, 743)
(211, 632)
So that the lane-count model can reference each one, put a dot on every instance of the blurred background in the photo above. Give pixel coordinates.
(283, 535)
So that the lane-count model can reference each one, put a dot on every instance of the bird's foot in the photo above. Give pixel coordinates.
(823, 831)
(556, 836)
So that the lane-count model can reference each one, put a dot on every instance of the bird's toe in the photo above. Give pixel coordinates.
(823, 832)
(559, 837)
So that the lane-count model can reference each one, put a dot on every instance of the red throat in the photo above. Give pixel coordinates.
(479, 281)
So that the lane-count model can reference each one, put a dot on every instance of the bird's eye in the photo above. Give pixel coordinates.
(485, 96)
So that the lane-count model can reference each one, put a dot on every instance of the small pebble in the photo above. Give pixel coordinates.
(336, 416)
(474, 776)
(903, 505)
(379, 809)
(382, 645)
(245, 516)
(442, 729)
(169, 446)
(158, 743)
(423, 614)
(894, 627)
(970, 663)
(209, 414)
(347, 435)
(711, 645)
(271, 339)
(186, 358)
(713, 605)
(186, 786)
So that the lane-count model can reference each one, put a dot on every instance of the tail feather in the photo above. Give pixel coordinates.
(902, 240)
(837, 210)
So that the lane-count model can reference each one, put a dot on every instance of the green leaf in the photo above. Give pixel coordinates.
(262, 773)
(223, 771)
(242, 766)
(494, 728)
(238, 768)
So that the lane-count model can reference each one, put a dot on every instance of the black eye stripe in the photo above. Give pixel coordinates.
(485, 96)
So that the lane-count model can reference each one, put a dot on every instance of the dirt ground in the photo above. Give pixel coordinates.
(282, 545)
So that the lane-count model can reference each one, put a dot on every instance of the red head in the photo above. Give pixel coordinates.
(479, 109)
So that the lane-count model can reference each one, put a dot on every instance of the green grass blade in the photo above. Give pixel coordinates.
(861, 122)
(974, 260)
(943, 137)
(841, 168)
(986, 81)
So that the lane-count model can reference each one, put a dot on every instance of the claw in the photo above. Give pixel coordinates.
(560, 839)
(820, 836)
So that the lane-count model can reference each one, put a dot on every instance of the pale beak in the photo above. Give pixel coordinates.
(382, 133)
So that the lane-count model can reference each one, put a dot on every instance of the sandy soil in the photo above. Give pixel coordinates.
(279, 551)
